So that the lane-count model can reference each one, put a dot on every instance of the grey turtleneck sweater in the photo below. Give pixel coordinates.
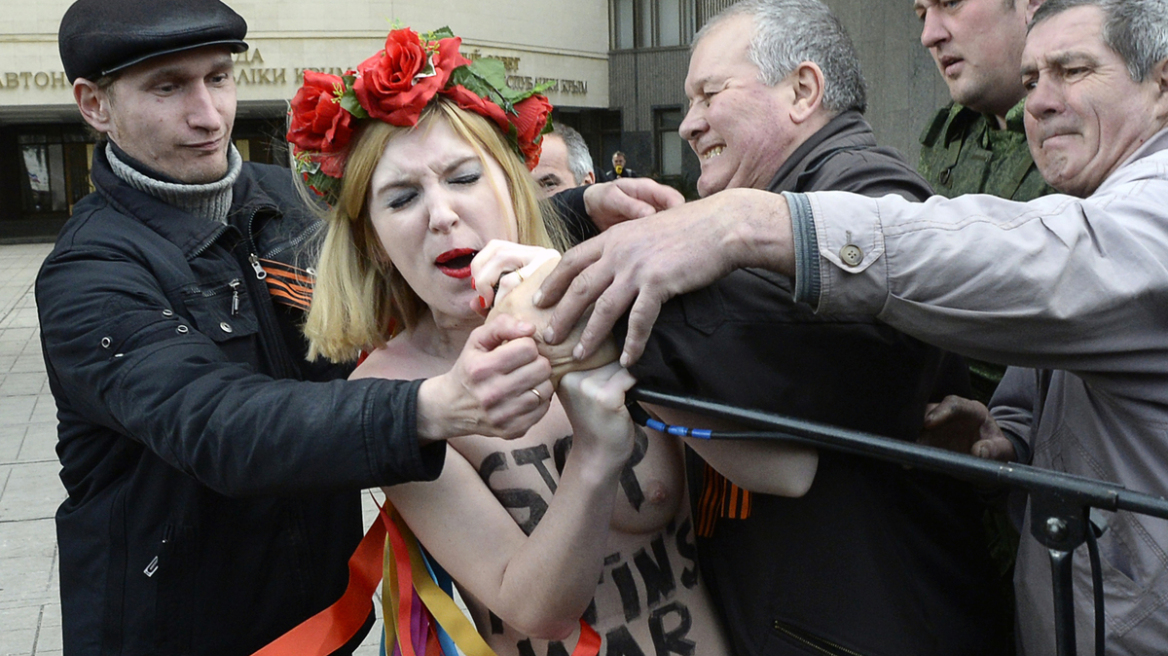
(210, 201)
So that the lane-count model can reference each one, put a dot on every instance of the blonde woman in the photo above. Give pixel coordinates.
(584, 516)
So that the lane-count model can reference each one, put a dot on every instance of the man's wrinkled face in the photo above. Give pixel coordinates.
(1084, 114)
(976, 45)
(552, 173)
(740, 128)
(175, 113)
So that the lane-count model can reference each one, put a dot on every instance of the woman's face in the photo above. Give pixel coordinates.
(434, 204)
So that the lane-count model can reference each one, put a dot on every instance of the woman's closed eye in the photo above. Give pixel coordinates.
(396, 200)
(466, 178)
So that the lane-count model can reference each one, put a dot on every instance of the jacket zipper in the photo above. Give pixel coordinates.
(304, 236)
(234, 284)
(278, 352)
(817, 644)
(207, 244)
(256, 266)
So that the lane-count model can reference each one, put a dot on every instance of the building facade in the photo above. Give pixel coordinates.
(617, 70)
(45, 148)
(650, 41)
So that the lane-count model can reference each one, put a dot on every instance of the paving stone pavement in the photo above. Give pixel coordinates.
(30, 489)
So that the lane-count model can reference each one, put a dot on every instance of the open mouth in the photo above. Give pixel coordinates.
(951, 65)
(456, 263)
(713, 152)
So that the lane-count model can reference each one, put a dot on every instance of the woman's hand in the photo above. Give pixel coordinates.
(499, 386)
(501, 266)
(595, 403)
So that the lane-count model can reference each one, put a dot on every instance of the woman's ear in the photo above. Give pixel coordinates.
(808, 85)
(94, 104)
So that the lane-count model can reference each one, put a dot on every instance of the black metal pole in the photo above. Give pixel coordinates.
(1059, 502)
(1064, 594)
(1076, 490)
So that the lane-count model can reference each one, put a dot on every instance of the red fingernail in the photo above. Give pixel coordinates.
(472, 285)
(482, 302)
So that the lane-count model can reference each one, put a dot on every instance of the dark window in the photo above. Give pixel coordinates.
(669, 144)
(651, 23)
(55, 170)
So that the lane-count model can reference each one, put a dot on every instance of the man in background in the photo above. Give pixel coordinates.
(564, 163)
(977, 143)
(618, 170)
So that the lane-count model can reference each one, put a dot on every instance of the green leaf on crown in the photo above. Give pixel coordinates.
(350, 103)
(443, 32)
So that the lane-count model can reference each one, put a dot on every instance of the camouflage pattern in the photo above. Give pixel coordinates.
(964, 152)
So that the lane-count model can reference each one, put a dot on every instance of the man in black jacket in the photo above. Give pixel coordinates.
(212, 485)
(618, 170)
(873, 559)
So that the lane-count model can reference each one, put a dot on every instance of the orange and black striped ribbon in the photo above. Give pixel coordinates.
(289, 285)
(720, 498)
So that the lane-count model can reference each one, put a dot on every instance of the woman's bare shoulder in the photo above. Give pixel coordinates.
(396, 361)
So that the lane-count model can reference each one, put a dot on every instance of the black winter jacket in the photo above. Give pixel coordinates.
(874, 560)
(212, 489)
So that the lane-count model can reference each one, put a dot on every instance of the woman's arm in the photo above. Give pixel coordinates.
(766, 467)
(540, 583)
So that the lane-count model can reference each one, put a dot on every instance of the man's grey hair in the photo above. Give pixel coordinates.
(579, 159)
(790, 32)
(1135, 29)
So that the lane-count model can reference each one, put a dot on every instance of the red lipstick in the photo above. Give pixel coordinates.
(456, 262)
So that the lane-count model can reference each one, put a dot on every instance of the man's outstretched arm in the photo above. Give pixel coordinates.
(642, 264)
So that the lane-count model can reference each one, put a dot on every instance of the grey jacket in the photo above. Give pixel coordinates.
(1075, 286)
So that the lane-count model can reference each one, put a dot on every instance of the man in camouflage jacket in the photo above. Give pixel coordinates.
(977, 143)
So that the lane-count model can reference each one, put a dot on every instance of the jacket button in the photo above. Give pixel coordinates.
(226, 327)
(182, 330)
(851, 255)
(167, 313)
(105, 342)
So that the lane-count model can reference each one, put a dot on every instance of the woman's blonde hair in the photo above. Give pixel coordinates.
(360, 299)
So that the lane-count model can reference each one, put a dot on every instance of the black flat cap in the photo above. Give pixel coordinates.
(99, 37)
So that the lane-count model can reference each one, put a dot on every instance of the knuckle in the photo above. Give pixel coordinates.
(545, 368)
(606, 305)
(581, 284)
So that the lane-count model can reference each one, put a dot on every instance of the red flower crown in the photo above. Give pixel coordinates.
(395, 85)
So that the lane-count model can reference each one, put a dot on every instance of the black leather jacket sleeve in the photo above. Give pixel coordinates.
(121, 357)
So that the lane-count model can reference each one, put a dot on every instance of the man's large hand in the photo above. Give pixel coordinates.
(623, 199)
(489, 389)
(965, 426)
(641, 264)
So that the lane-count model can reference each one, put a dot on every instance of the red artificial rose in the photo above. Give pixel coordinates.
(386, 86)
(331, 164)
(472, 102)
(319, 124)
(529, 125)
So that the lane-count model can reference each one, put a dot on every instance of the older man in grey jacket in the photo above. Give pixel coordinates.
(1073, 285)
